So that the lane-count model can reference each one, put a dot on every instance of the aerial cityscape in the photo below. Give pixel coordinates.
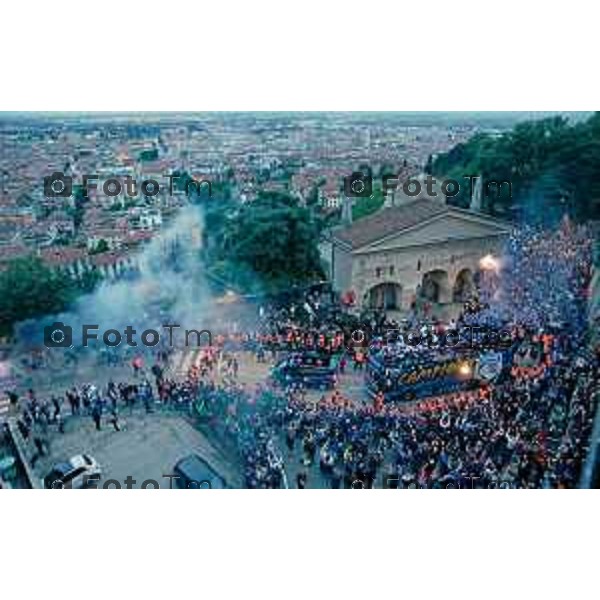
(299, 300)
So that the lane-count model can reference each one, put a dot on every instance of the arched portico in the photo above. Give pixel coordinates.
(464, 286)
(384, 296)
(435, 286)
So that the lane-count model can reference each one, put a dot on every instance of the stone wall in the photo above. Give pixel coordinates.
(407, 266)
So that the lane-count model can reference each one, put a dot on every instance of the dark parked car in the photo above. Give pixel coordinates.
(195, 473)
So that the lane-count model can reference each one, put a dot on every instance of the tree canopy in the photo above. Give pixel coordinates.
(268, 244)
(553, 165)
(29, 289)
(148, 155)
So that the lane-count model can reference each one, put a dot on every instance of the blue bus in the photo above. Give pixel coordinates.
(405, 378)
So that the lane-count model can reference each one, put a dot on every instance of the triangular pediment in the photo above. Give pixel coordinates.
(454, 224)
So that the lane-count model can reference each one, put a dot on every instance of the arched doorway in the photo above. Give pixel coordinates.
(464, 286)
(435, 286)
(385, 296)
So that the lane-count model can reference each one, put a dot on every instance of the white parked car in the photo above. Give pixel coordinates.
(72, 473)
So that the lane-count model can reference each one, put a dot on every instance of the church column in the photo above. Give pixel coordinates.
(445, 293)
(409, 295)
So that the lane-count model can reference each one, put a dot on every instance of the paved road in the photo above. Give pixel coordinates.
(147, 448)
(150, 445)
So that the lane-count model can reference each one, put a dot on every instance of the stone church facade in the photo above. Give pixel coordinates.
(422, 247)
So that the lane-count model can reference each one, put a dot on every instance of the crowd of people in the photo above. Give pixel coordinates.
(529, 428)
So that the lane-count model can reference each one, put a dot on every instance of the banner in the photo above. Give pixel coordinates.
(490, 365)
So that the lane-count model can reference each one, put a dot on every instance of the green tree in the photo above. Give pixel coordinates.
(101, 246)
(149, 155)
(553, 165)
(180, 180)
(87, 281)
(28, 289)
(269, 244)
(387, 169)
(363, 207)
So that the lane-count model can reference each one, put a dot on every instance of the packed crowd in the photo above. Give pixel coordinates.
(527, 429)
(531, 429)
